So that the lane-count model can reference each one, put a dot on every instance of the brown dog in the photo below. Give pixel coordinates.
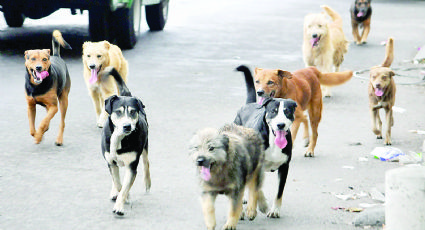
(361, 13)
(302, 86)
(381, 91)
(47, 81)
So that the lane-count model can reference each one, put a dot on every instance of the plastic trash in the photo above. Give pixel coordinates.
(387, 153)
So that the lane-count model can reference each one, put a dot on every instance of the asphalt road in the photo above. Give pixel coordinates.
(185, 76)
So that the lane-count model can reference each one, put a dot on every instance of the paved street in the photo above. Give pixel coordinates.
(185, 76)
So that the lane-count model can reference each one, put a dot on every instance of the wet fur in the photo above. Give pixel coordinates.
(52, 89)
(382, 77)
(363, 21)
(328, 55)
(236, 156)
(101, 55)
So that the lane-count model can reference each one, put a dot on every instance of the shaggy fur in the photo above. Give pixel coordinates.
(228, 160)
(96, 57)
(324, 43)
(381, 92)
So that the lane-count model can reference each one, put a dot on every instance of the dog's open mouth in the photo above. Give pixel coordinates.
(379, 92)
(315, 41)
(262, 98)
(205, 170)
(39, 76)
(94, 73)
(280, 138)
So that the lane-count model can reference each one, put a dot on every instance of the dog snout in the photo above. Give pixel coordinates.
(281, 126)
(260, 93)
(314, 35)
(126, 128)
(39, 68)
(92, 66)
(378, 85)
(200, 161)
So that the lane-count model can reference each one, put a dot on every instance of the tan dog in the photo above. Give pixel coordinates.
(47, 81)
(324, 43)
(381, 91)
(302, 86)
(96, 57)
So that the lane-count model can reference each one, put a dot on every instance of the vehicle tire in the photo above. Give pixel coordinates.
(156, 15)
(99, 24)
(127, 25)
(13, 17)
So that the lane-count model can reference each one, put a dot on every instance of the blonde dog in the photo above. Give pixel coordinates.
(96, 57)
(324, 43)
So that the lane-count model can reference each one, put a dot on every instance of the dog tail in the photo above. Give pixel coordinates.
(336, 18)
(389, 53)
(335, 78)
(249, 81)
(122, 87)
(57, 41)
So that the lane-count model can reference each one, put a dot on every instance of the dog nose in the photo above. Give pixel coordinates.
(260, 93)
(92, 66)
(39, 68)
(200, 161)
(281, 126)
(126, 127)
(314, 35)
(378, 85)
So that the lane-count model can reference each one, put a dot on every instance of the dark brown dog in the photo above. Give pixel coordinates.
(47, 81)
(302, 86)
(361, 13)
(381, 91)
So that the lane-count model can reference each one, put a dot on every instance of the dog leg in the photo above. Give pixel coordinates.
(366, 29)
(306, 137)
(376, 123)
(63, 106)
(146, 170)
(208, 209)
(315, 115)
(389, 119)
(31, 115)
(116, 181)
(262, 202)
(356, 35)
(98, 104)
(128, 181)
(235, 210)
(251, 210)
(52, 109)
(296, 124)
(283, 175)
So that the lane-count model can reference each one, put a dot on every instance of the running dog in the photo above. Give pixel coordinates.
(124, 140)
(381, 92)
(47, 81)
(272, 119)
(228, 160)
(96, 57)
(361, 14)
(324, 43)
(302, 86)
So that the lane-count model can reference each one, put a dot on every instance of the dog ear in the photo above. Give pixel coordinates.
(107, 44)
(47, 51)
(292, 105)
(26, 54)
(391, 74)
(140, 105)
(257, 69)
(108, 103)
(225, 140)
(282, 74)
(266, 101)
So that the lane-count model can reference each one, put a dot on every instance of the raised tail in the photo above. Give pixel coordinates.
(336, 18)
(336, 78)
(249, 81)
(389, 53)
(122, 87)
(57, 41)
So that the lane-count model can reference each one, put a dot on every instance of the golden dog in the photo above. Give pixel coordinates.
(381, 91)
(96, 57)
(324, 43)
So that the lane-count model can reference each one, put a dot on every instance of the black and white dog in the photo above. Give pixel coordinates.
(272, 119)
(124, 140)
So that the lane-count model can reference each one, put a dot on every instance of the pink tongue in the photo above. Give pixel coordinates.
(205, 173)
(313, 41)
(93, 78)
(360, 14)
(280, 139)
(379, 92)
(42, 75)
(261, 100)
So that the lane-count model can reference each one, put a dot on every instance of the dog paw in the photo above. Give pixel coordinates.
(274, 213)
(229, 227)
(251, 213)
(242, 217)
(118, 209)
(38, 137)
(309, 154)
(387, 142)
(379, 137)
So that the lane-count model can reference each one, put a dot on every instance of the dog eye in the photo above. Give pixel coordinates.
(384, 78)
(270, 83)
(88, 55)
(320, 26)
(44, 59)
(211, 148)
(118, 112)
(257, 82)
(99, 56)
(32, 59)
